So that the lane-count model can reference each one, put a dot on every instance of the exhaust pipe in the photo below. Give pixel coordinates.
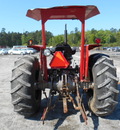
(65, 34)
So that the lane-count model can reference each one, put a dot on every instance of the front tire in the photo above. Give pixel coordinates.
(105, 91)
(25, 95)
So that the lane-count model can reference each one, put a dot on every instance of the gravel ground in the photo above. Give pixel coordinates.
(9, 120)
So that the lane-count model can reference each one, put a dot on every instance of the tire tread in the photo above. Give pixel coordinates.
(105, 90)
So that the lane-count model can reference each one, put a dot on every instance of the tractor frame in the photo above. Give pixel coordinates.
(80, 13)
(95, 73)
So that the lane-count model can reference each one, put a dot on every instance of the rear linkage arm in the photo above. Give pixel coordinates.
(66, 96)
(49, 100)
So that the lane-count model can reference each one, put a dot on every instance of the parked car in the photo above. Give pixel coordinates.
(30, 50)
(109, 48)
(3, 51)
(105, 48)
(116, 49)
(17, 51)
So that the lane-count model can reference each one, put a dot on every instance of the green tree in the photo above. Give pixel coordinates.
(118, 38)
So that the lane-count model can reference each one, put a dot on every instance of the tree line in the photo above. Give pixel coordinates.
(108, 37)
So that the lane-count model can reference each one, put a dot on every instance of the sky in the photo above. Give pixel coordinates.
(13, 15)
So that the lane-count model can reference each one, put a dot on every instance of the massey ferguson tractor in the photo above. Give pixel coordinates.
(95, 74)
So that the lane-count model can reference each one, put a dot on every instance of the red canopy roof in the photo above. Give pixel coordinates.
(63, 12)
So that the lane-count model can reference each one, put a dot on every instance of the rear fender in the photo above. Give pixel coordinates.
(37, 47)
(43, 60)
(84, 62)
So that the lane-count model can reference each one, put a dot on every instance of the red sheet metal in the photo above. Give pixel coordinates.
(37, 47)
(85, 76)
(63, 12)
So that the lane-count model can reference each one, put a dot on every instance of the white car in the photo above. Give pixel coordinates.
(3, 51)
(17, 51)
(30, 50)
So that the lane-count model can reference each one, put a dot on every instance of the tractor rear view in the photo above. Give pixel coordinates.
(95, 74)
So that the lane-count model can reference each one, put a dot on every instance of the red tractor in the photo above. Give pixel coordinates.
(95, 74)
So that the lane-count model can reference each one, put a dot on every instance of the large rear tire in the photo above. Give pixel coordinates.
(105, 91)
(25, 95)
